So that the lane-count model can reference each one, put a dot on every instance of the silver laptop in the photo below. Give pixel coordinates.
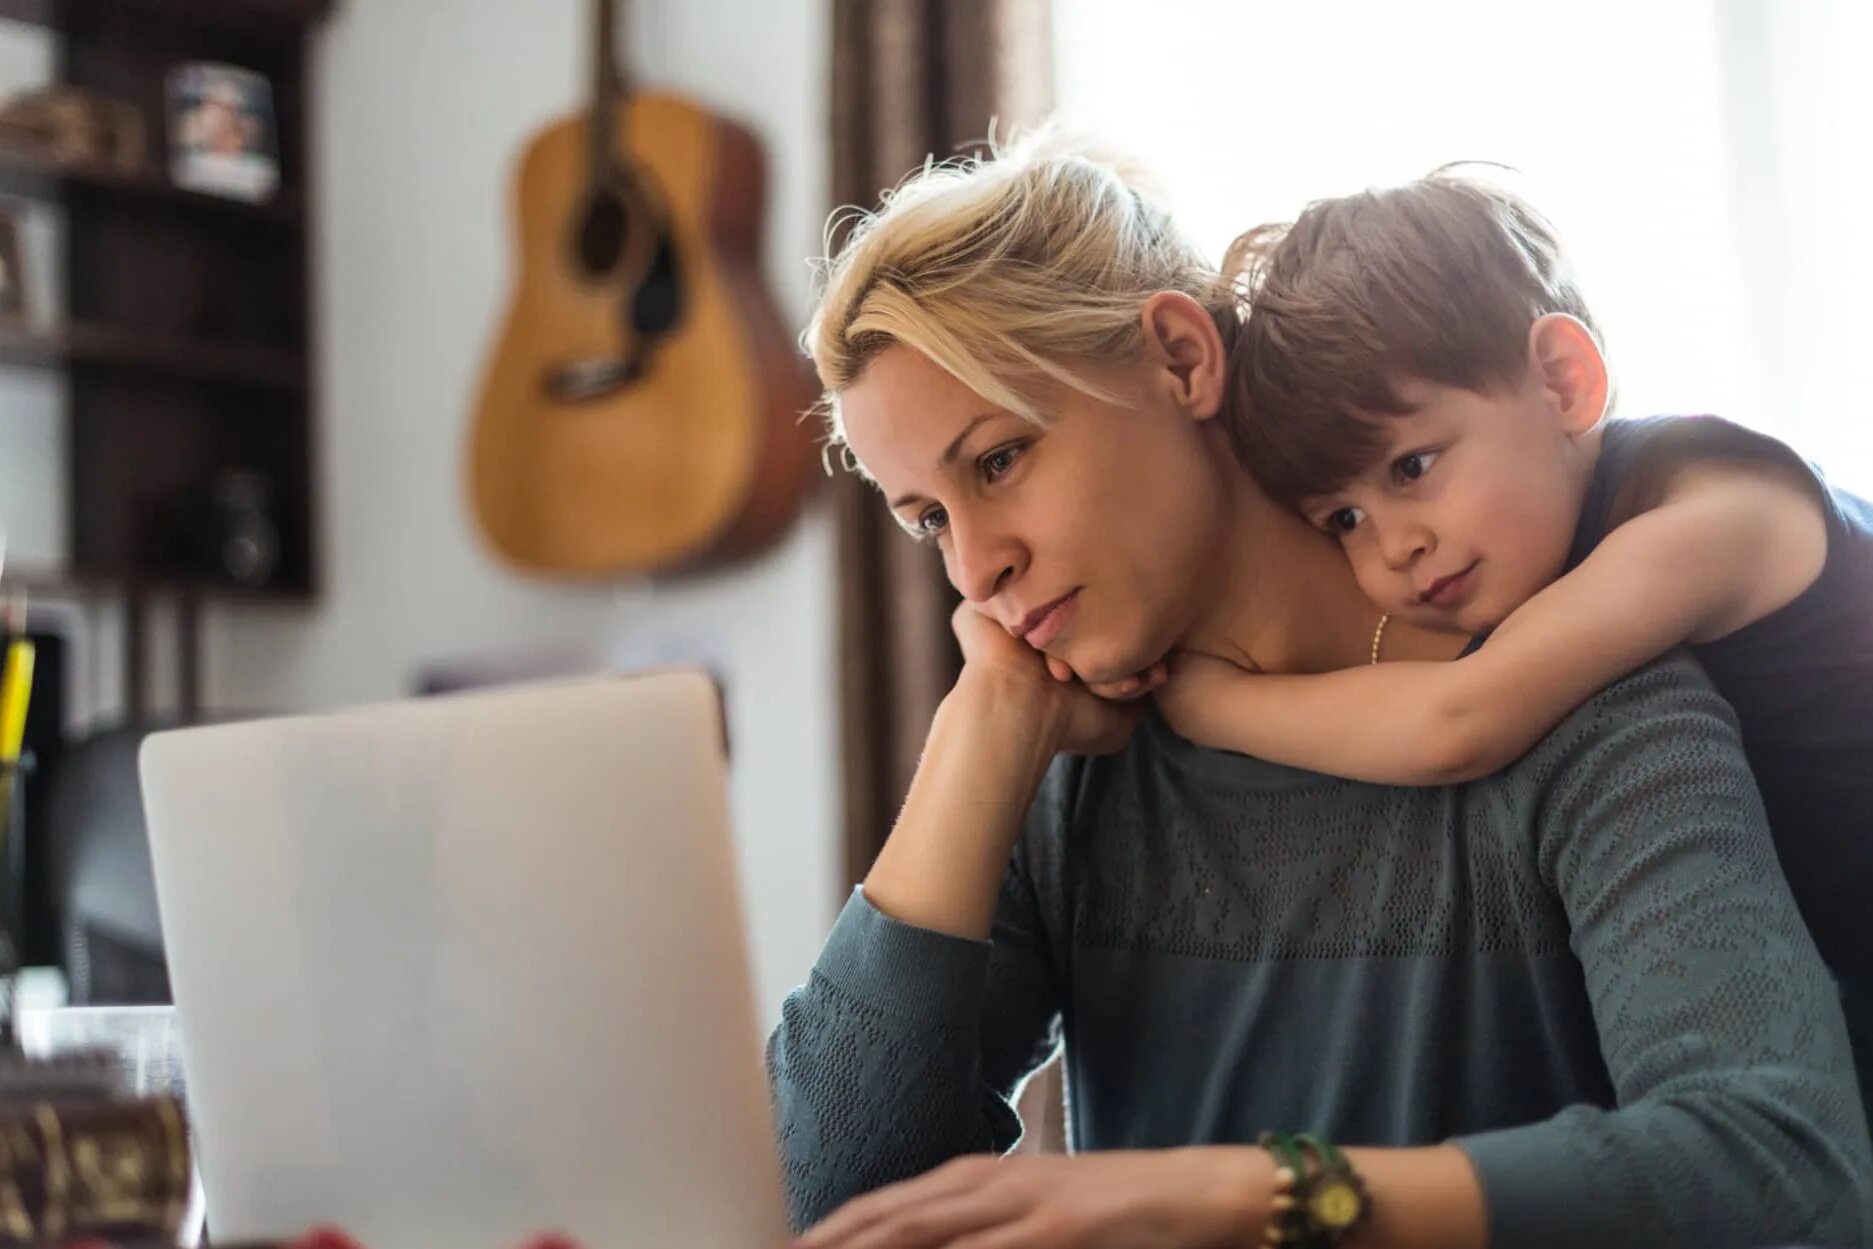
(455, 971)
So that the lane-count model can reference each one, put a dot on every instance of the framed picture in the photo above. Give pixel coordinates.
(222, 137)
(12, 271)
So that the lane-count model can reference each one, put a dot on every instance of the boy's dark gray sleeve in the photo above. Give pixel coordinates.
(1738, 1119)
(907, 1047)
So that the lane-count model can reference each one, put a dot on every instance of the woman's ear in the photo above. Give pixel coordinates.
(1573, 371)
(1184, 352)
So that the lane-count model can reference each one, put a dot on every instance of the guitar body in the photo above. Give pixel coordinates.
(697, 452)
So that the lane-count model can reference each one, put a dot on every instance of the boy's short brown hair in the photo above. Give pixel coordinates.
(1437, 280)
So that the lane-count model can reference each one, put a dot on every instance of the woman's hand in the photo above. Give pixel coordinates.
(1197, 698)
(1197, 1198)
(992, 740)
(1079, 721)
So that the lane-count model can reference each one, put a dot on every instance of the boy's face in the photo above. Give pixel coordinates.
(1471, 510)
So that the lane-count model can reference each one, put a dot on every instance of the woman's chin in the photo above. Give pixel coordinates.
(1104, 666)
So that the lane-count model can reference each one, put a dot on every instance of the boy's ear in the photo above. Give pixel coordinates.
(1572, 369)
(1184, 348)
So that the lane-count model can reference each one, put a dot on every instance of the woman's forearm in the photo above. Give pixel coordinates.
(1421, 1198)
(942, 867)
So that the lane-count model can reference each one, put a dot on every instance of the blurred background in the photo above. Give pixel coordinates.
(313, 391)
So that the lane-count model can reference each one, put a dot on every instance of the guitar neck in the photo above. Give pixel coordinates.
(608, 81)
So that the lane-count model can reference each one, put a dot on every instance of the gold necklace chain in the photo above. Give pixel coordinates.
(1378, 635)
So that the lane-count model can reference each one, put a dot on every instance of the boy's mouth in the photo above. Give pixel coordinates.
(1446, 590)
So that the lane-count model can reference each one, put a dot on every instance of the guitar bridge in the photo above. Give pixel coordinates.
(584, 380)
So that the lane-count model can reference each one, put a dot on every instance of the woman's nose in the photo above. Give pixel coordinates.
(982, 560)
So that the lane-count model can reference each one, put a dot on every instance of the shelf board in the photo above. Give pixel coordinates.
(43, 179)
(270, 19)
(86, 584)
(119, 347)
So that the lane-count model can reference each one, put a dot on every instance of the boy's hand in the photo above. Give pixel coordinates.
(1195, 698)
(1123, 691)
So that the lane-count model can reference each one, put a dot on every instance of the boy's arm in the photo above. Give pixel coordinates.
(1728, 543)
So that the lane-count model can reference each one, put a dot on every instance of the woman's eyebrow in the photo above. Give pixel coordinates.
(949, 454)
(956, 443)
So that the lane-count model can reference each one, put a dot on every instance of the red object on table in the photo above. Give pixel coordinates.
(325, 1238)
(335, 1238)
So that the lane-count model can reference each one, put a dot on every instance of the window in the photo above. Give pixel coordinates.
(1707, 162)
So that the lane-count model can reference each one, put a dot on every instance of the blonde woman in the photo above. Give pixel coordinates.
(1569, 1004)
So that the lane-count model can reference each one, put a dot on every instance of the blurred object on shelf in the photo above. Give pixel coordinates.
(75, 127)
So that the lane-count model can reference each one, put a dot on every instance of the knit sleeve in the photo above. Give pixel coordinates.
(1737, 1120)
(908, 1047)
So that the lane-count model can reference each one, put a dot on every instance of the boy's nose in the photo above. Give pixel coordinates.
(1401, 543)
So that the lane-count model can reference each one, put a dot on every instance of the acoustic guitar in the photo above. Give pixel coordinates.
(642, 411)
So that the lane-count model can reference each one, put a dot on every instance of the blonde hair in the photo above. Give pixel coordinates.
(1005, 270)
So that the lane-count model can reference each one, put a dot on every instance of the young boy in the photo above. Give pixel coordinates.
(1420, 376)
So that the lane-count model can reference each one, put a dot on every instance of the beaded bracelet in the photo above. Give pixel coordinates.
(1314, 1207)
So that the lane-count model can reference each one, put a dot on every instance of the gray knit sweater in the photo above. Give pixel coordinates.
(1585, 970)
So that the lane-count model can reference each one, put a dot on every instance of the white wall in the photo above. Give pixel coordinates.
(770, 630)
(421, 108)
(1710, 182)
(774, 624)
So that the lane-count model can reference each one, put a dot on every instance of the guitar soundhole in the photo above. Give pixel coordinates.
(602, 235)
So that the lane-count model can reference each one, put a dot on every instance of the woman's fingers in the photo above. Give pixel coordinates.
(940, 1222)
(1003, 1236)
(862, 1215)
(981, 638)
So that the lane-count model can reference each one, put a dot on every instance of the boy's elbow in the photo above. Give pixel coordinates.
(1458, 746)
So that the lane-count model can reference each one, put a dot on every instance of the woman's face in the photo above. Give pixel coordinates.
(1090, 537)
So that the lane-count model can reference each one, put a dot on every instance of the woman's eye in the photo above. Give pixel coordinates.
(930, 524)
(1413, 466)
(997, 463)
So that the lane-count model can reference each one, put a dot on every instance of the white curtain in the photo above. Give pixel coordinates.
(1709, 162)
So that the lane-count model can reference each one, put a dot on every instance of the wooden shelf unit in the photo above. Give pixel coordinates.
(188, 328)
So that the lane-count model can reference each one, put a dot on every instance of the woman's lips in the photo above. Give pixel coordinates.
(1048, 627)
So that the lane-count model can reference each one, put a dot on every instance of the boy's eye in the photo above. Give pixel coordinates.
(1413, 466)
(1343, 521)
